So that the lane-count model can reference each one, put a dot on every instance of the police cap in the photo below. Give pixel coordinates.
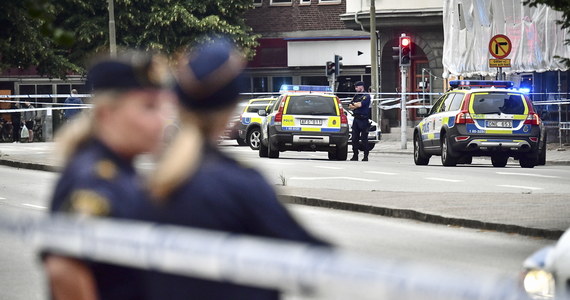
(132, 70)
(210, 76)
(359, 83)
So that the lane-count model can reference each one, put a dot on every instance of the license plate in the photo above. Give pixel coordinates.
(499, 123)
(311, 122)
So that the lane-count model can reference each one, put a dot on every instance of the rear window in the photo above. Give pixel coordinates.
(311, 105)
(257, 105)
(497, 103)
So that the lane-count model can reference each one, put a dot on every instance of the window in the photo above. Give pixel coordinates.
(260, 84)
(311, 105)
(255, 106)
(496, 103)
(456, 103)
(305, 2)
(281, 2)
(437, 107)
(329, 1)
(257, 2)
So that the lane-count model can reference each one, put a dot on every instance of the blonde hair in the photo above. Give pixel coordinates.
(182, 158)
(74, 135)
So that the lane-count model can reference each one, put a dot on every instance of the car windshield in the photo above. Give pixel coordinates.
(254, 107)
(498, 103)
(311, 105)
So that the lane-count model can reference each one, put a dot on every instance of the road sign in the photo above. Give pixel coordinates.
(500, 63)
(500, 46)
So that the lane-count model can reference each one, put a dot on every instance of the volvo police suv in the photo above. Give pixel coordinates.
(305, 118)
(481, 118)
(249, 126)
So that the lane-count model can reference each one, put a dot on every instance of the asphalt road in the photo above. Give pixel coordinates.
(397, 172)
(21, 277)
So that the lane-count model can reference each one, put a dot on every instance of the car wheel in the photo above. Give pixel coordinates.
(342, 152)
(420, 157)
(466, 160)
(542, 154)
(448, 157)
(254, 138)
(241, 142)
(271, 152)
(263, 150)
(528, 161)
(332, 154)
(499, 160)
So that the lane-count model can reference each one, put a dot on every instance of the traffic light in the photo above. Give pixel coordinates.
(338, 65)
(405, 50)
(330, 69)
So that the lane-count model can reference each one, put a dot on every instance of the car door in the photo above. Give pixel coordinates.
(428, 126)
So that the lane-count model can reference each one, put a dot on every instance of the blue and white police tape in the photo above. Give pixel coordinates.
(48, 109)
(290, 267)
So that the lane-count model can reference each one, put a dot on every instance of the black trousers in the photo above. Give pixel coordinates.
(360, 129)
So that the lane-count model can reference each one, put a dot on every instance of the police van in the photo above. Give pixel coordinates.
(305, 118)
(249, 126)
(481, 118)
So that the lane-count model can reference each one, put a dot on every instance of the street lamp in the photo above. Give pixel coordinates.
(112, 39)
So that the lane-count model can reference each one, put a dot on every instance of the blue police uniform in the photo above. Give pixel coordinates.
(97, 182)
(223, 196)
(360, 125)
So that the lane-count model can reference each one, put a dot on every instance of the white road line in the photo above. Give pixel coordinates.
(520, 187)
(2, 198)
(528, 174)
(380, 173)
(34, 206)
(327, 167)
(443, 179)
(332, 178)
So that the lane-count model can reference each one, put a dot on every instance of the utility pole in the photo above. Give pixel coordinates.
(374, 61)
(112, 39)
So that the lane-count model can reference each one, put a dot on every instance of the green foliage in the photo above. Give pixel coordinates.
(559, 5)
(59, 36)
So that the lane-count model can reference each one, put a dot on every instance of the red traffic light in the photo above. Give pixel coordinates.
(405, 41)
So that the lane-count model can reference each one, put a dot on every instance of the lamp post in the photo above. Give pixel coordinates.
(112, 39)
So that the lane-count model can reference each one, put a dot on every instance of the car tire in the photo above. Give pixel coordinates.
(263, 150)
(420, 157)
(529, 161)
(254, 138)
(332, 154)
(271, 152)
(542, 154)
(342, 152)
(241, 142)
(499, 160)
(448, 157)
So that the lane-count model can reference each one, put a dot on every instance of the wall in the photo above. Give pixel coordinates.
(353, 6)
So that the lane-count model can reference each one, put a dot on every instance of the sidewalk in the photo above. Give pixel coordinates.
(542, 215)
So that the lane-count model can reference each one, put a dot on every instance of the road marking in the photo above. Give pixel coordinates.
(327, 167)
(332, 178)
(2, 198)
(443, 179)
(528, 174)
(34, 206)
(380, 173)
(520, 187)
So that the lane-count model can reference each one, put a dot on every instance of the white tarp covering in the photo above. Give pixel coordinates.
(470, 24)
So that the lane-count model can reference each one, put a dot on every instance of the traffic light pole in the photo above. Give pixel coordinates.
(403, 111)
(374, 62)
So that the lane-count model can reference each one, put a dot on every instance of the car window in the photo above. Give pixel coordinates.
(456, 102)
(255, 106)
(447, 102)
(438, 104)
(311, 105)
(497, 103)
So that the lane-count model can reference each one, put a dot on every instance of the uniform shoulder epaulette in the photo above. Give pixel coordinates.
(106, 169)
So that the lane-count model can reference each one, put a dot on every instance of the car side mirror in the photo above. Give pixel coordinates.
(262, 112)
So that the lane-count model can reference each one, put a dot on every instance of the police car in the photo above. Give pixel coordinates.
(547, 271)
(305, 118)
(481, 118)
(249, 126)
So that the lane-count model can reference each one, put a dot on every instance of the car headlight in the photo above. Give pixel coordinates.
(539, 284)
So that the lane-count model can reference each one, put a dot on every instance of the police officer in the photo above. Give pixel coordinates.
(99, 179)
(199, 186)
(360, 106)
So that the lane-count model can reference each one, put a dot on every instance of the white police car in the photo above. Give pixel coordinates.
(481, 118)
(249, 126)
(305, 118)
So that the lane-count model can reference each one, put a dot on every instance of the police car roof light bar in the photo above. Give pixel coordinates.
(291, 88)
(481, 84)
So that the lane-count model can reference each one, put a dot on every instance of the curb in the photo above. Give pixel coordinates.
(423, 217)
(29, 166)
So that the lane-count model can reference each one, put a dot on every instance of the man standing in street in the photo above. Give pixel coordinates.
(360, 106)
(68, 114)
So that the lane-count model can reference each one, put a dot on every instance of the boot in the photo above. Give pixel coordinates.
(365, 158)
(354, 157)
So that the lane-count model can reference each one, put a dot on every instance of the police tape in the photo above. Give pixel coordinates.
(290, 267)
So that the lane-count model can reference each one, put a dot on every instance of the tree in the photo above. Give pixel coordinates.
(559, 5)
(167, 26)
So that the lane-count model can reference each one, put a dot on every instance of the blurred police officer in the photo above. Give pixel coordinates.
(99, 179)
(197, 185)
(360, 106)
